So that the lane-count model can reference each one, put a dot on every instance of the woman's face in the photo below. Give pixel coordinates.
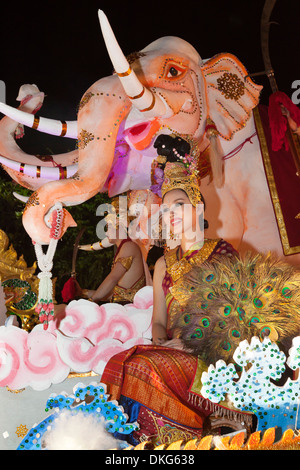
(180, 215)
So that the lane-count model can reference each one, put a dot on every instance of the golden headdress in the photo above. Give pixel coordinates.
(119, 214)
(177, 176)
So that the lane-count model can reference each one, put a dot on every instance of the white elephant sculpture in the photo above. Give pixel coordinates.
(166, 88)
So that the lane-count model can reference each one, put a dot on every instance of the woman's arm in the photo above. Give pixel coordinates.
(108, 284)
(159, 321)
(160, 314)
(128, 251)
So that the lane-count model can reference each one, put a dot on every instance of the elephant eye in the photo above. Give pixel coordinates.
(174, 71)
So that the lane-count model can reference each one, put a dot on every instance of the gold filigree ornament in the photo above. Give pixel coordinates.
(168, 434)
(21, 431)
(32, 201)
(176, 176)
(85, 138)
(85, 99)
(10, 265)
(19, 283)
(133, 56)
(177, 268)
(120, 215)
(231, 86)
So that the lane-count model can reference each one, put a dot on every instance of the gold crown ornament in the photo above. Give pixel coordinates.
(177, 176)
(119, 215)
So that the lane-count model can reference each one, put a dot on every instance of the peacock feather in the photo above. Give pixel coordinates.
(233, 299)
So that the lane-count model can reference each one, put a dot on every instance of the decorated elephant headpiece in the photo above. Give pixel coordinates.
(199, 100)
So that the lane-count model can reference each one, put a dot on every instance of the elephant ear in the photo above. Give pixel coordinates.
(231, 94)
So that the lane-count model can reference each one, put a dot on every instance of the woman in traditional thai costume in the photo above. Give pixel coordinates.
(126, 278)
(154, 383)
(129, 271)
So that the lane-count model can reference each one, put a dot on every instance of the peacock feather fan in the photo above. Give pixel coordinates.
(232, 299)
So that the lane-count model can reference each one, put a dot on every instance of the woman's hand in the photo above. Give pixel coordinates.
(159, 334)
(78, 290)
(159, 341)
(59, 313)
(174, 343)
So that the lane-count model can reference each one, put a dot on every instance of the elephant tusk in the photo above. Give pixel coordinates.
(142, 98)
(105, 243)
(48, 172)
(49, 126)
(21, 197)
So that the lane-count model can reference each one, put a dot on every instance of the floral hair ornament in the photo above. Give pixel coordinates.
(157, 174)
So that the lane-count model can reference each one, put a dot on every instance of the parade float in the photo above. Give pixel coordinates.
(48, 371)
(36, 363)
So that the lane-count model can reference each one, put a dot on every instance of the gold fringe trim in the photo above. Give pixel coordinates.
(220, 411)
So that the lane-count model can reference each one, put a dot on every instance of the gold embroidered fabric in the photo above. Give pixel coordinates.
(123, 294)
(126, 262)
(167, 432)
(178, 268)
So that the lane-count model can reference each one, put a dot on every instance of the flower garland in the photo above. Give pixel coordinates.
(45, 305)
(157, 176)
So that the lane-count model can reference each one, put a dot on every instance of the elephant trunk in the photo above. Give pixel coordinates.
(28, 170)
(49, 126)
(35, 171)
(99, 118)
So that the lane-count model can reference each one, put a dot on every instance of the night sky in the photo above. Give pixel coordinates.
(58, 45)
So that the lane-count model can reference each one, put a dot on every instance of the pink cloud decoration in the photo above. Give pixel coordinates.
(87, 338)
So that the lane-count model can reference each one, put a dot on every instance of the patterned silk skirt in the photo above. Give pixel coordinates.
(152, 384)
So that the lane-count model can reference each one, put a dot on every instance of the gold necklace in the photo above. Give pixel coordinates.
(179, 267)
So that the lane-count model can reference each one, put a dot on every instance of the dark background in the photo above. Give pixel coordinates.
(58, 46)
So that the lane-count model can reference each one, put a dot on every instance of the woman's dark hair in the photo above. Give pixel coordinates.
(171, 147)
(205, 222)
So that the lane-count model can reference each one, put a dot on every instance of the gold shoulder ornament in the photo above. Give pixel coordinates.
(178, 268)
